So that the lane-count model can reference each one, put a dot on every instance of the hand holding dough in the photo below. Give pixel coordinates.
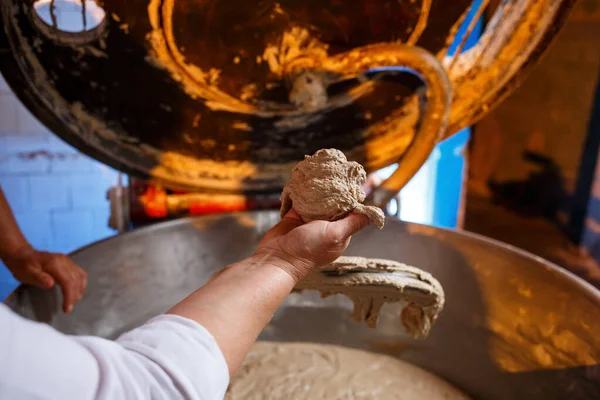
(326, 186)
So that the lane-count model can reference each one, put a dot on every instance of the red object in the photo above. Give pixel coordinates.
(154, 202)
(150, 202)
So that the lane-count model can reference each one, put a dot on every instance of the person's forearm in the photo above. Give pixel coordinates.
(237, 303)
(12, 240)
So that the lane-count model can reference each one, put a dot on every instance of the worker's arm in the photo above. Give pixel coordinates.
(12, 240)
(39, 268)
(188, 353)
(169, 357)
(238, 302)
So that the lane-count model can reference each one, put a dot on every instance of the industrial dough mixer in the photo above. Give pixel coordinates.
(215, 96)
(223, 97)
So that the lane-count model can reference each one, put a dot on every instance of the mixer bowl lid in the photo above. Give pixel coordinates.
(205, 96)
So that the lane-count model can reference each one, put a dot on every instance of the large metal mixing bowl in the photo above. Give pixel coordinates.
(514, 326)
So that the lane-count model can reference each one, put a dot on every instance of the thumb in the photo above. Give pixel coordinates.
(290, 221)
(343, 229)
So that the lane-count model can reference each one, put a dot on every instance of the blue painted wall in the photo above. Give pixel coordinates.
(449, 183)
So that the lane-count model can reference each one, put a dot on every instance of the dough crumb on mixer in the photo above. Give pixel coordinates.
(326, 186)
(309, 371)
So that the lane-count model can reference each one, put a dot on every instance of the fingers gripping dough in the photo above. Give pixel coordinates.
(326, 186)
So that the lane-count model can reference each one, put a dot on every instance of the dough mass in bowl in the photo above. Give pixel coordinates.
(326, 186)
(308, 371)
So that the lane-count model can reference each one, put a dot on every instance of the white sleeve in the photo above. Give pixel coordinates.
(169, 357)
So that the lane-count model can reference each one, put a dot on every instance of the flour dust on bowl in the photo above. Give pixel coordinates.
(513, 326)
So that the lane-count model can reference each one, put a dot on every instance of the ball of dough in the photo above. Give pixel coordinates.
(326, 186)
